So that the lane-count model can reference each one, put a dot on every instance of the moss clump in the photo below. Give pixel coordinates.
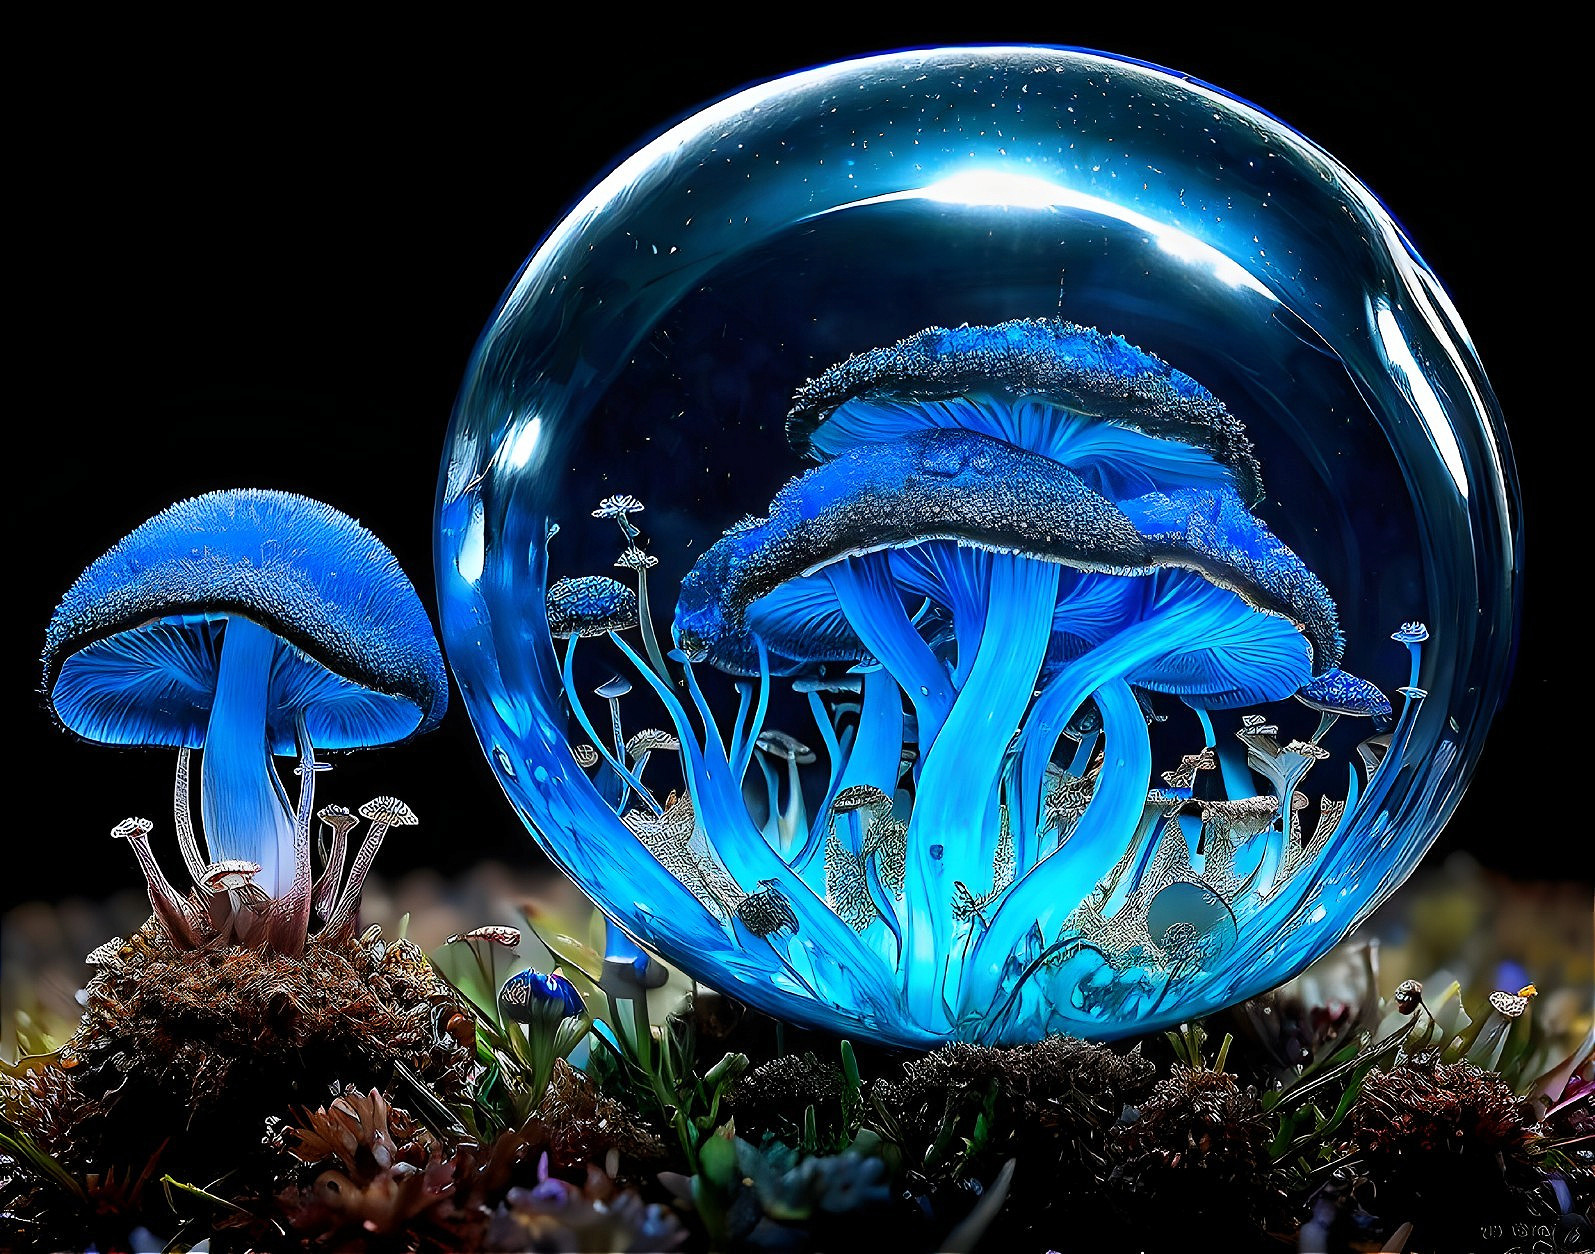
(963, 1110)
(1432, 1134)
(191, 1049)
(773, 1097)
(1196, 1152)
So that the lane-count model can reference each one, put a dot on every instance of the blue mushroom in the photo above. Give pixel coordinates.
(247, 624)
(1125, 420)
(1015, 534)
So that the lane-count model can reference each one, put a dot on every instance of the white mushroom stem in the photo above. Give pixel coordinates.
(383, 813)
(290, 915)
(163, 897)
(325, 895)
(183, 818)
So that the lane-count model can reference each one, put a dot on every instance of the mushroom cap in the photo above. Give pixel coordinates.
(1214, 534)
(229, 874)
(1339, 692)
(132, 829)
(493, 933)
(929, 484)
(389, 810)
(788, 748)
(1076, 369)
(617, 506)
(590, 605)
(650, 739)
(619, 686)
(132, 651)
(337, 817)
(862, 797)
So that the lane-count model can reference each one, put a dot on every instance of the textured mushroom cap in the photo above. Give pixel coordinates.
(590, 605)
(231, 873)
(650, 739)
(132, 829)
(784, 746)
(862, 797)
(1078, 368)
(926, 485)
(337, 817)
(131, 652)
(493, 933)
(612, 689)
(1337, 692)
(1214, 534)
(389, 810)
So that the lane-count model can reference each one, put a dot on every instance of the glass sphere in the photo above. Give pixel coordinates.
(973, 543)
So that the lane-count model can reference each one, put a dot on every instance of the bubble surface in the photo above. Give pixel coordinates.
(1053, 530)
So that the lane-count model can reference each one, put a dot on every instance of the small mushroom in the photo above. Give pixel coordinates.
(530, 997)
(168, 906)
(239, 908)
(1336, 693)
(791, 819)
(382, 813)
(341, 822)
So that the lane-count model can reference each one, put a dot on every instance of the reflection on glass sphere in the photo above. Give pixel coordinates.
(921, 544)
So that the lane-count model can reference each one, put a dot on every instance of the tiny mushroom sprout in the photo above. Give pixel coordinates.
(245, 624)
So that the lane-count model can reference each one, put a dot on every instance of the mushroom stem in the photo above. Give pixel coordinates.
(749, 860)
(873, 608)
(183, 819)
(346, 914)
(290, 915)
(572, 695)
(650, 640)
(325, 895)
(240, 796)
(743, 750)
(167, 904)
(953, 833)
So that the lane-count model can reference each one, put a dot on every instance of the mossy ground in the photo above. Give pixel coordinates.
(340, 1101)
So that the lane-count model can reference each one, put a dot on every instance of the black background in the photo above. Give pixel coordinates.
(260, 256)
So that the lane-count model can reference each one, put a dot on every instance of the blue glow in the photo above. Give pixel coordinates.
(1027, 490)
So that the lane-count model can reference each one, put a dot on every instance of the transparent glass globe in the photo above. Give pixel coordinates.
(987, 483)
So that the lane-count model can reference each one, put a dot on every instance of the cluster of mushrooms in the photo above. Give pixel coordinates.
(245, 625)
(1019, 540)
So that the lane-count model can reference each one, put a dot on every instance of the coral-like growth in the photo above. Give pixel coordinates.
(379, 1170)
(374, 1179)
(1197, 1152)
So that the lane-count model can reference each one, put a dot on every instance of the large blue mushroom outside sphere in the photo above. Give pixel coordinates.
(998, 474)
(245, 624)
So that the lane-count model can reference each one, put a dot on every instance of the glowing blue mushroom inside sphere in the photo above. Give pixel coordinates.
(974, 543)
